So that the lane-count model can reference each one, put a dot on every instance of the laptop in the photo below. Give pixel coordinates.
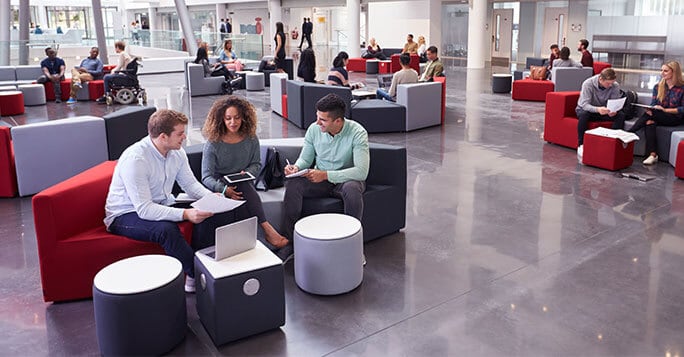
(384, 81)
(233, 239)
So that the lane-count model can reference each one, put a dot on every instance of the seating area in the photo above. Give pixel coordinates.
(358, 64)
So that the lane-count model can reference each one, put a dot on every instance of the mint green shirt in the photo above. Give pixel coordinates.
(344, 156)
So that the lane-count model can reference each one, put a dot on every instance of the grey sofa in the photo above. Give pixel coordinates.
(302, 98)
(198, 84)
(423, 102)
(384, 199)
(15, 75)
(124, 127)
(289, 68)
(567, 79)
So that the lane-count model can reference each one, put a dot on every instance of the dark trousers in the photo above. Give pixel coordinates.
(307, 37)
(252, 206)
(585, 117)
(108, 81)
(660, 118)
(55, 85)
(351, 193)
(168, 235)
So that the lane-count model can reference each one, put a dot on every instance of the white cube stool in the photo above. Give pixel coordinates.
(675, 138)
(328, 253)
(255, 81)
(241, 295)
(140, 306)
(34, 94)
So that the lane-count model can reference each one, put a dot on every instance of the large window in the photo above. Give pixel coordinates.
(15, 17)
(67, 17)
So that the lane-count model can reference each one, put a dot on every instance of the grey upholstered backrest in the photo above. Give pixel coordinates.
(569, 78)
(7, 73)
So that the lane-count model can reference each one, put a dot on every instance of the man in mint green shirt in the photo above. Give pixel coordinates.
(340, 149)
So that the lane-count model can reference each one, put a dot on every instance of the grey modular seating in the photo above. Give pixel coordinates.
(125, 127)
(198, 84)
(34, 94)
(255, 81)
(388, 52)
(569, 78)
(384, 199)
(46, 153)
(289, 68)
(640, 145)
(278, 89)
(379, 116)
(529, 62)
(302, 98)
(15, 75)
(423, 102)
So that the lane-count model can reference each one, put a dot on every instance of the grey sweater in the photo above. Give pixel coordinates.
(592, 97)
(219, 159)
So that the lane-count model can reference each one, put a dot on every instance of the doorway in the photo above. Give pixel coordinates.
(555, 27)
(502, 36)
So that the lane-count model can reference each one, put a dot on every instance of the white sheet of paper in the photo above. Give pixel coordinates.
(184, 198)
(298, 173)
(624, 136)
(216, 204)
(615, 105)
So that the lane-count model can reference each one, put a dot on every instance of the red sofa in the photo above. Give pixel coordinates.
(530, 89)
(560, 119)
(8, 173)
(443, 81)
(356, 64)
(73, 244)
(395, 66)
(600, 66)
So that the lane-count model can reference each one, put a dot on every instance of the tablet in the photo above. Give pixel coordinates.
(239, 177)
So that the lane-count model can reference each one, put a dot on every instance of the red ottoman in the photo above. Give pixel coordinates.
(384, 67)
(50, 91)
(8, 174)
(356, 65)
(607, 153)
(96, 89)
(11, 102)
(532, 90)
(284, 106)
(679, 164)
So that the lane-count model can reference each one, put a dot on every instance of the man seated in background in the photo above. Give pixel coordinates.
(592, 102)
(405, 75)
(91, 68)
(434, 67)
(410, 47)
(53, 71)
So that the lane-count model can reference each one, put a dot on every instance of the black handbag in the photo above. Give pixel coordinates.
(273, 173)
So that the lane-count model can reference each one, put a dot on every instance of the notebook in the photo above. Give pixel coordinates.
(233, 239)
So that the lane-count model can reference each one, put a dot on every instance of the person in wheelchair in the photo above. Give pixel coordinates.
(122, 84)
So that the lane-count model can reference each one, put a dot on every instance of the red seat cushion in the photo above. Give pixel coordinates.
(11, 103)
(600, 66)
(8, 174)
(532, 90)
(443, 81)
(284, 100)
(679, 164)
(96, 89)
(356, 65)
(65, 85)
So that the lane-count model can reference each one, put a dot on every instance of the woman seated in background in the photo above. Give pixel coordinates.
(422, 49)
(228, 58)
(374, 51)
(215, 70)
(307, 66)
(667, 108)
(233, 147)
(338, 75)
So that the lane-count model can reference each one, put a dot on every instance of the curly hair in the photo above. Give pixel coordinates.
(215, 127)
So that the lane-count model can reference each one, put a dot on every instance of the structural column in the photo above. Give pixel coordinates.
(5, 25)
(275, 12)
(99, 31)
(354, 27)
(186, 26)
(477, 32)
(24, 20)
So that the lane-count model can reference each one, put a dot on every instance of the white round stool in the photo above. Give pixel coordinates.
(255, 81)
(140, 306)
(328, 253)
(34, 94)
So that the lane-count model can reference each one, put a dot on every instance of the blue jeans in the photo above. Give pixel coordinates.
(168, 235)
(383, 94)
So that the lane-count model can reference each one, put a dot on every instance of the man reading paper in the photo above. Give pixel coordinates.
(591, 106)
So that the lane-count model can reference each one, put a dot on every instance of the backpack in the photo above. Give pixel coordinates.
(273, 173)
(629, 109)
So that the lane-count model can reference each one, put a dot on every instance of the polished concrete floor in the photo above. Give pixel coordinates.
(510, 248)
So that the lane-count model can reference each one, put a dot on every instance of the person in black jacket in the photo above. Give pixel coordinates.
(307, 66)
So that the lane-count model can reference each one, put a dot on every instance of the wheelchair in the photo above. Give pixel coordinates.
(126, 89)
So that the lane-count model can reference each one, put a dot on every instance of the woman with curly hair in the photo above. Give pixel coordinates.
(232, 146)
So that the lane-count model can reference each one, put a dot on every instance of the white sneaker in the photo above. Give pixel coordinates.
(580, 153)
(189, 285)
(650, 160)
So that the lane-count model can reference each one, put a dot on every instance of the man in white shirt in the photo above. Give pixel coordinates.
(139, 201)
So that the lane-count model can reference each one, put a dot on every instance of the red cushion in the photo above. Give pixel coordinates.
(396, 65)
(8, 174)
(679, 164)
(443, 81)
(107, 69)
(607, 153)
(532, 90)
(65, 85)
(96, 89)
(600, 66)
(284, 100)
(356, 65)
(11, 103)
(384, 67)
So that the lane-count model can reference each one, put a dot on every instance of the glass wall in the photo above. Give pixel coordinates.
(62, 18)
(454, 31)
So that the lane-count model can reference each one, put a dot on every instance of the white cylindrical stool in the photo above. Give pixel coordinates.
(255, 81)
(328, 253)
(34, 94)
(140, 306)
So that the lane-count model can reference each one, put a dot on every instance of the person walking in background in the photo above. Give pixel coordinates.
(91, 68)
(53, 71)
(304, 29)
(667, 108)
(587, 58)
(279, 55)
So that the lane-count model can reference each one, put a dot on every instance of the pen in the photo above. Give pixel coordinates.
(288, 162)
(223, 193)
